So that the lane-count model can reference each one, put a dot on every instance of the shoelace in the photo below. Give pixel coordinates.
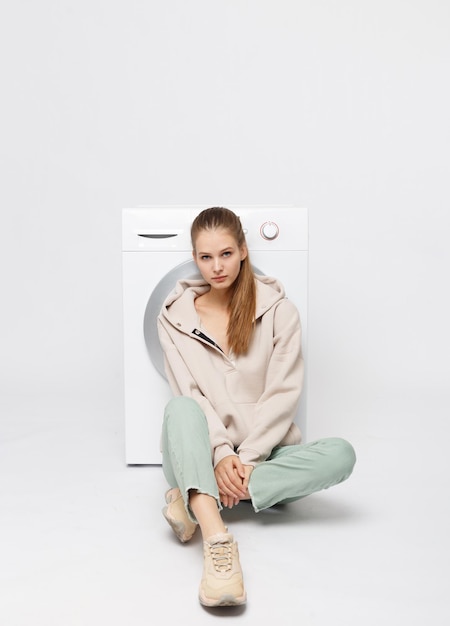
(221, 556)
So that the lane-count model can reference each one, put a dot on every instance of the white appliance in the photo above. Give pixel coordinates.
(156, 252)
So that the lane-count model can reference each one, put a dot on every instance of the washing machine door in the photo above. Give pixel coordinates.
(188, 269)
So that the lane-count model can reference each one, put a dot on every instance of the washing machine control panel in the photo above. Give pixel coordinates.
(269, 231)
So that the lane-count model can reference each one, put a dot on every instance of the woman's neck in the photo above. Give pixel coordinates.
(218, 299)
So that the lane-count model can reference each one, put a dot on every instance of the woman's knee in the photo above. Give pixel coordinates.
(180, 403)
(183, 411)
(344, 454)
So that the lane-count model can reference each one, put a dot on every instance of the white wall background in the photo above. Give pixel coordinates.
(340, 106)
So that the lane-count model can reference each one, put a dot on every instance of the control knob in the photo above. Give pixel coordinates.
(269, 231)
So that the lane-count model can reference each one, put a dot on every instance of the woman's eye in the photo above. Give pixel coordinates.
(226, 253)
(204, 257)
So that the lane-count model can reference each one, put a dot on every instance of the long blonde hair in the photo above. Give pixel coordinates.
(243, 301)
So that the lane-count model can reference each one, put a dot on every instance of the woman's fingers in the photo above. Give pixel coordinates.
(228, 477)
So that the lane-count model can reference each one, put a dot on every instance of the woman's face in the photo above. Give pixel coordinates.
(218, 257)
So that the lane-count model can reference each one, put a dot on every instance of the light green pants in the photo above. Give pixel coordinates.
(290, 473)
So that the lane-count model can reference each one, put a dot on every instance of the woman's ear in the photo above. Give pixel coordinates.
(244, 252)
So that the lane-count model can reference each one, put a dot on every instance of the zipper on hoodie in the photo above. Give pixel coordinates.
(201, 335)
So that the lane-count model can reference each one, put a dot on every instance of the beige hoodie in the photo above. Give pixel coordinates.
(250, 400)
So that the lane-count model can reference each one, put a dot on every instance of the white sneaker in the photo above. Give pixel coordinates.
(176, 514)
(222, 583)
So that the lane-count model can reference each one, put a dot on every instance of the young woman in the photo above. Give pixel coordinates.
(232, 347)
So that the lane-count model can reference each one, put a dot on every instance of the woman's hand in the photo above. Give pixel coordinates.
(232, 478)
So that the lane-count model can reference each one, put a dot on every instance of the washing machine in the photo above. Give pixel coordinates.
(156, 252)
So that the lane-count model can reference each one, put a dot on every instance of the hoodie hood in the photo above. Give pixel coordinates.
(179, 309)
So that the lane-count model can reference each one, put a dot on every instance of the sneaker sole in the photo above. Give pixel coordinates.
(225, 600)
(178, 527)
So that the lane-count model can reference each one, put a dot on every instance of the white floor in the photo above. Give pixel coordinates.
(83, 541)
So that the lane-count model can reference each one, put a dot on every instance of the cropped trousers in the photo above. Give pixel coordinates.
(290, 472)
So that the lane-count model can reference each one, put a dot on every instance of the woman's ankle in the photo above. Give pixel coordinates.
(207, 514)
